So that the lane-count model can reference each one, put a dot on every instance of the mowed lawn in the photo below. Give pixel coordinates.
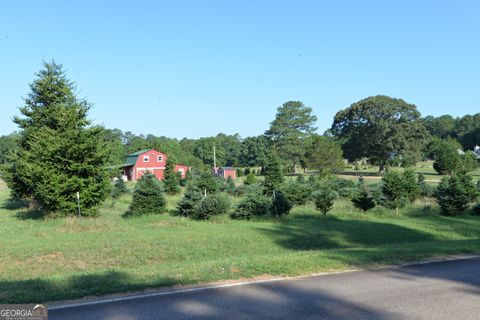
(47, 260)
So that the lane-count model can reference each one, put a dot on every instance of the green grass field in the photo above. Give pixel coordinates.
(46, 260)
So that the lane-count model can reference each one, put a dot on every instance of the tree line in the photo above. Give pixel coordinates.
(58, 152)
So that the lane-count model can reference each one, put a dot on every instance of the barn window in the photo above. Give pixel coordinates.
(181, 170)
(160, 158)
(145, 159)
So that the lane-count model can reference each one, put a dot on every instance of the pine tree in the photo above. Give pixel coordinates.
(119, 188)
(363, 199)
(171, 182)
(59, 153)
(455, 193)
(250, 179)
(230, 187)
(191, 199)
(148, 197)
(273, 174)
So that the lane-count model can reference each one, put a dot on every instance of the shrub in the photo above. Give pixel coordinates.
(297, 192)
(455, 193)
(323, 199)
(301, 178)
(148, 197)
(210, 206)
(363, 198)
(250, 179)
(190, 200)
(255, 204)
(239, 173)
(119, 188)
(280, 204)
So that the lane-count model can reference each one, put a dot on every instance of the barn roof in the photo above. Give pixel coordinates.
(132, 158)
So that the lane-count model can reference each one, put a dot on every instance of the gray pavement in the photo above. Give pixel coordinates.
(437, 290)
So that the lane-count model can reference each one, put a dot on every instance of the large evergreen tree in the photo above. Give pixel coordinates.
(288, 132)
(148, 197)
(59, 152)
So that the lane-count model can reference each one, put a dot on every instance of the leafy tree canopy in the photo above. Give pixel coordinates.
(379, 128)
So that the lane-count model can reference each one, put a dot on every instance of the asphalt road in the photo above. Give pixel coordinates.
(437, 290)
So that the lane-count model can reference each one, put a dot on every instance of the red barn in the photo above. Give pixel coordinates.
(225, 172)
(148, 161)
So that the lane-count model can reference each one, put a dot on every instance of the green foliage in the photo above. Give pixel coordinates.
(273, 174)
(288, 132)
(446, 156)
(230, 187)
(280, 205)
(207, 182)
(424, 189)
(119, 188)
(379, 127)
(363, 198)
(343, 187)
(456, 193)
(239, 172)
(148, 197)
(59, 152)
(297, 192)
(8, 147)
(395, 191)
(476, 209)
(323, 199)
(210, 206)
(171, 181)
(324, 155)
(254, 151)
(250, 179)
(410, 185)
(254, 204)
(192, 197)
(301, 178)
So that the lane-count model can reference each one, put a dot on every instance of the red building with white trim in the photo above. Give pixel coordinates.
(148, 161)
(225, 172)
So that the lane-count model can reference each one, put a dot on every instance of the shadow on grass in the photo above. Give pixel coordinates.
(307, 232)
(12, 204)
(41, 291)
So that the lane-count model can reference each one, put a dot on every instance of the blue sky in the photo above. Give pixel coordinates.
(197, 68)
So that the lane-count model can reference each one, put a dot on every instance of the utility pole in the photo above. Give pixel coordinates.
(214, 158)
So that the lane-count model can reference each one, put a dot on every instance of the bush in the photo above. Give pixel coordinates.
(191, 198)
(210, 206)
(297, 192)
(119, 188)
(455, 193)
(255, 204)
(250, 179)
(148, 197)
(363, 198)
(323, 199)
(280, 204)
(424, 190)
